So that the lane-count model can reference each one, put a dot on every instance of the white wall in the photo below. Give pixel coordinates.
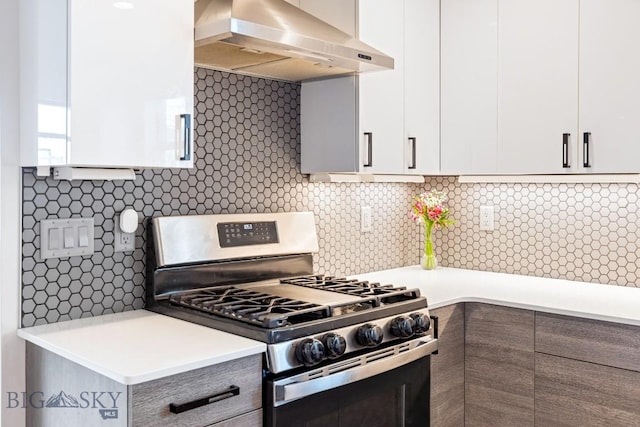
(11, 347)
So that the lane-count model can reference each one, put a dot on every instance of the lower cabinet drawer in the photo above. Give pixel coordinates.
(151, 401)
(604, 343)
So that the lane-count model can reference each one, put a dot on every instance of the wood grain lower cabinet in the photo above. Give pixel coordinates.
(604, 343)
(447, 368)
(150, 401)
(587, 372)
(499, 366)
(574, 393)
(71, 395)
(54, 385)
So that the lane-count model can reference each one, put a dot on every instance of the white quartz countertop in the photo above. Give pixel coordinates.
(139, 346)
(445, 286)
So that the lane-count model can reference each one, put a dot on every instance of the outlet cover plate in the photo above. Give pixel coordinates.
(366, 219)
(487, 218)
(123, 242)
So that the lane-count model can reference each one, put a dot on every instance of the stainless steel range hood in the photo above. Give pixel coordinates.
(274, 39)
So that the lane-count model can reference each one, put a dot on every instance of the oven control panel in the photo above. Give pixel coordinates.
(232, 234)
(311, 350)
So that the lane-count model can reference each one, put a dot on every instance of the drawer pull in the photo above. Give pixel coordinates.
(585, 149)
(369, 136)
(435, 329)
(185, 119)
(412, 140)
(565, 150)
(232, 391)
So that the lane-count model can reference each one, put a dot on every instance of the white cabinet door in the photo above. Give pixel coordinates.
(422, 86)
(329, 107)
(131, 78)
(129, 84)
(329, 126)
(610, 85)
(469, 86)
(43, 82)
(381, 93)
(537, 86)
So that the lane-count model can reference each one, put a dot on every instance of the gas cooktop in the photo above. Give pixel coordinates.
(293, 301)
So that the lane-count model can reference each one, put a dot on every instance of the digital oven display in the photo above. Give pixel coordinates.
(231, 234)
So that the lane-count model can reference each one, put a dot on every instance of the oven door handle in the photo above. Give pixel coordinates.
(287, 391)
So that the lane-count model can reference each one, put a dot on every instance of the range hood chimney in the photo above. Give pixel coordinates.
(274, 39)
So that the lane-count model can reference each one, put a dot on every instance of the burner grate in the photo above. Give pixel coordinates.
(271, 311)
(268, 311)
(386, 294)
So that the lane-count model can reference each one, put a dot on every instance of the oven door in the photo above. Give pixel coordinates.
(382, 388)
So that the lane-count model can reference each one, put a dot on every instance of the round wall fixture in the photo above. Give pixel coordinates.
(128, 220)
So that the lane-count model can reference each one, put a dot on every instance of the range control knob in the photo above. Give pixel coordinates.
(334, 345)
(310, 352)
(403, 326)
(422, 321)
(369, 335)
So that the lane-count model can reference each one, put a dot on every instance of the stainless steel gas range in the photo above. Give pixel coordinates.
(340, 352)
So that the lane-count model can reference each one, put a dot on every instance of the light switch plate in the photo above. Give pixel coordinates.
(60, 238)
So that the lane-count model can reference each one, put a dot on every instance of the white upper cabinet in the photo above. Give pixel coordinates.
(422, 87)
(609, 86)
(107, 84)
(540, 86)
(469, 86)
(329, 126)
(383, 122)
(568, 86)
(381, 103)
(537, 86)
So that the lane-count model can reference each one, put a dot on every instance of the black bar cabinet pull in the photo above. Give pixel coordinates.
(565, 150)
(369, 136)
(586, 137)
(177, 409)
(435, 329)
(186, 135)
(412, 139)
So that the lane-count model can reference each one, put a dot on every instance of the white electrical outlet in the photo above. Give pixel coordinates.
(486, 218)
(123, 242)
(366, 219)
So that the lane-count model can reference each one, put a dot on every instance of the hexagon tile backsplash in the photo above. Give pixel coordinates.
(585, 232)
(247, 160)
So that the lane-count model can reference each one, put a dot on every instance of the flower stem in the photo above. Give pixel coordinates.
(429, 262)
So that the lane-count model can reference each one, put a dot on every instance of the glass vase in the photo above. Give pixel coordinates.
(428, 261)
